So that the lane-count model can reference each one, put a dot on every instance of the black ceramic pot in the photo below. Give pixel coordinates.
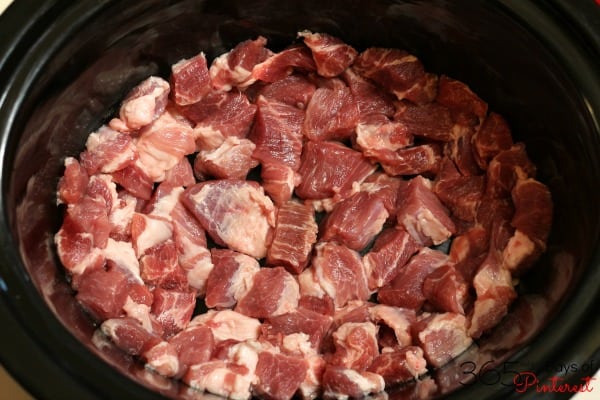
(64, 66)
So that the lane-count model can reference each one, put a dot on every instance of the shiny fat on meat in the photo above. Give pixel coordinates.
(235, 213)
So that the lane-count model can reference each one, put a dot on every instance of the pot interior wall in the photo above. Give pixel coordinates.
(97, 56)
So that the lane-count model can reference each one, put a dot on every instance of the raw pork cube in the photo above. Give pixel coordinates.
(302, 321)
(355, 345)
(331, 55)
(190, 80)
(234, 68)
(279, 375)
(442, 337)
(406, 289)
(460, 99)
(338, 272)
(280, 65)
(398, 72)
(274, 291)
(330, 168)
(343, 383)
(277, 132)
(331, 114)
(493, 137)
(391, 251)
(399, 365)
(230, 279)
(422, 214)
(432, 121)
(231, 160)
(235, 213)
(294, 236)
(412, 160)
(173, 309)
(218, 116)
(356, 221)
(144, 103)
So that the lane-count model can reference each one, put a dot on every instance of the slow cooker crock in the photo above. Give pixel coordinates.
(64, 66)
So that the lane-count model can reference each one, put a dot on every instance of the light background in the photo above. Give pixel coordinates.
(10, 390)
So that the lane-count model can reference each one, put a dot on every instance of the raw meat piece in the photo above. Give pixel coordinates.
(162, 144)
(398, 72)
(461, 194)
(190, 80)
(76, 248)
(133, 179)
(422, 214)
(72, 185)
(128, 335)
(144, 103)
(493, 137)
(431, 121)
(446, 290)
(390, 252)
(102, 292)
(282, 64)
(339, 272)
(220, 115)
(173, 309)
(294, 236)
(386, 188)
(162, 359)
(229, 325)
(343, 383)
(331, 114)
(355, 345)
(279, 375)
(461, 150)
(533, 210)
(278, 181)
(274, 291)
(122, 256)
(190, 239)
(293, 90)
(468, 251)
(376, 133)
(235, 213)
(401, 365)
(181, 174)
(356, 221)
(159, 263)
(396, 318)
(234, 68)
(322, 305)
(220, 377)
(442, 337)
(506, 168)
(148, 231)
(462, 102)
(277, 133)
(412, 160)
(107, 150)
(495, 292)
(301, 321)
(371, 99)
(406, 289)
(310, 388)
(330, 168)
(194, 345)
(231, 278)
(331, 55)
(231, 160)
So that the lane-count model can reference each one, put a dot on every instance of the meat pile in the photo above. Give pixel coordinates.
(316, 221)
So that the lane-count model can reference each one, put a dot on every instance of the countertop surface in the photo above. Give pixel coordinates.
(11, 390)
